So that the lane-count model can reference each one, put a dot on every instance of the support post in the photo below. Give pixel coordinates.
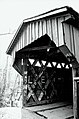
(24, 74)
(75, 94)
(75, 99)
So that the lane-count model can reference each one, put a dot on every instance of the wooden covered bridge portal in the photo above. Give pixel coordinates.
(46, 71)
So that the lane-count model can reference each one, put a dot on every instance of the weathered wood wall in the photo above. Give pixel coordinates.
(35, 29)
(71, 36)
(59, 32)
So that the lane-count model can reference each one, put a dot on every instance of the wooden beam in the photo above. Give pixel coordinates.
(37, 48)
(74, 93)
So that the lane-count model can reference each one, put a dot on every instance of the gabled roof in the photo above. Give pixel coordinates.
(53, 12)
(41, 43)
(44, 49)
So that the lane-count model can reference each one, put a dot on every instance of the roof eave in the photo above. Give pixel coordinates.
(49, 13)
(10, 47)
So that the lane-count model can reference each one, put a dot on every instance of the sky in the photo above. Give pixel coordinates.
(13, 12)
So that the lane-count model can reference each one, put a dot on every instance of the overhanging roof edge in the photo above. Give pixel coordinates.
(69, 55)
(8, 51)
(46, 14)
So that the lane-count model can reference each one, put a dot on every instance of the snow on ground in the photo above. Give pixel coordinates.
(10, 113)
(18, 113)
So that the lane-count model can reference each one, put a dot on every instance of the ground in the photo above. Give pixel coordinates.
(50, 111)
(17, 113)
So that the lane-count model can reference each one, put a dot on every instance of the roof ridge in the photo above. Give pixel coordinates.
(45, 13)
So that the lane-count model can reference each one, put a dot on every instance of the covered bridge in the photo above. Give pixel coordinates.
(45, 53)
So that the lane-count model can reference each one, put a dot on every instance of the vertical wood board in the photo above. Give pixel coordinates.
(51, 26)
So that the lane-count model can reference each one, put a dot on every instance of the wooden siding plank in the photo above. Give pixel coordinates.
(57, 31)
(63, 33)
(76, 41)
(49, 28)
(30, 31)
(44, 27)
(40, 28)
(25, 36)
(72, 39)
(54, 29)
(28, 34)
(36, 29)
(33, 34)
(19, 45)
(21, 41)
(60, 31)
(67, 35)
